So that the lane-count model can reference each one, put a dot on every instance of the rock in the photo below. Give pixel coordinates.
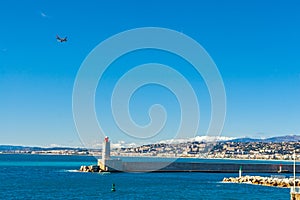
(91, 168)
(226, 179)
(81, 168)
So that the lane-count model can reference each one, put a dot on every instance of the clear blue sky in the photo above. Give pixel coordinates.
(255, 45)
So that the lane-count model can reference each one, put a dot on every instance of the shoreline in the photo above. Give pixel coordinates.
(152, 157)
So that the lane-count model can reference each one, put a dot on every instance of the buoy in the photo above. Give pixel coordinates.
(113, 187)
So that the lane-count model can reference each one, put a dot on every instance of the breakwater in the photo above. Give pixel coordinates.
(206, 167)
(112, 165)
(266, 181)
(212, 166)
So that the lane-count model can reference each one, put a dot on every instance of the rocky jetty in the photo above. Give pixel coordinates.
(91, 168)
(267, 181)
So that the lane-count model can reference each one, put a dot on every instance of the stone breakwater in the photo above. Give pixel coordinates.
(266, 181)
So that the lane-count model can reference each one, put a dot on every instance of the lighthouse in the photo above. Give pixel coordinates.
(103, 163)
(106, 149)
(106, 163)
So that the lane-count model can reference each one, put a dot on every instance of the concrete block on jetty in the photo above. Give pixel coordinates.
(266, 181)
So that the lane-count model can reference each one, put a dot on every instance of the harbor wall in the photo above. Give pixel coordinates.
(205, 167)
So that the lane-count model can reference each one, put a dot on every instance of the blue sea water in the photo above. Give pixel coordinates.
(55, 177)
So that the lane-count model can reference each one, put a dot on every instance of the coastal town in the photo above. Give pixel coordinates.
(194, 149)
(8, 149)
(227, 149)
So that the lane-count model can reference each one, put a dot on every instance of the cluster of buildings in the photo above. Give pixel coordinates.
(256, 150)
(236, 150)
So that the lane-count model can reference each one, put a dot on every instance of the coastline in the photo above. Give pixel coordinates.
(161, 164)
(156, 157)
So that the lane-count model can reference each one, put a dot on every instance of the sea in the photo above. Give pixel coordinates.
(32, 176)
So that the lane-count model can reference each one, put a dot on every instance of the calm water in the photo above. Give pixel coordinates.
(53, 177)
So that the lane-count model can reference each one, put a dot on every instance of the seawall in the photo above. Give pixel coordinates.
(203, 167)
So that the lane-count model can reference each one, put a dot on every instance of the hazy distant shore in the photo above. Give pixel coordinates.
(98, 155)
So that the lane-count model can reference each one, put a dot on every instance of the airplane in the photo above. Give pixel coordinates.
(61, 39)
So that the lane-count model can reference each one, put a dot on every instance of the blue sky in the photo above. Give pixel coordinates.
(255, 45)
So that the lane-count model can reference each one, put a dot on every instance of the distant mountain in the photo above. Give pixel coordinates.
(244, 140)
(10, 147)
(286, 138)
(25, 148)
(197, 139)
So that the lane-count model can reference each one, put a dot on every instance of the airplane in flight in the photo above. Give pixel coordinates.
(61, 39)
